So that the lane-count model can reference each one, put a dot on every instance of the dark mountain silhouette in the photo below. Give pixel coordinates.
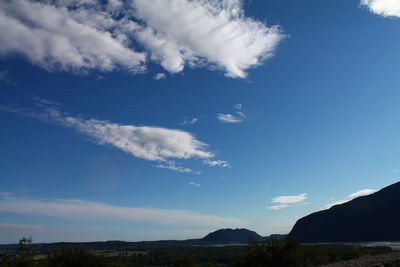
(232, 236)
(375, 217)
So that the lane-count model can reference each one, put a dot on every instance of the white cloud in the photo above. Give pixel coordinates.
(171, 165)
(59, 38)
(230, 118)
(287, 201)
(79, 36)
(362, 193)
(160, 76)
(395, 170)
(219, 163)
(386, 8)
(145, 142)
(194, 184)
(278, 207)
(216, 32)
(191, 121)
(338, 202)
(290, 199)
(81, 210)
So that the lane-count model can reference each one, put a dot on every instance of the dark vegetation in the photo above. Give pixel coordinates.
(374, 217)
(273, 252)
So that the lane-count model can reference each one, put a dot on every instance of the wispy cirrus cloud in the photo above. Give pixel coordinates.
(160, 76)
(171, 165)
(238, 117)
(5, 77)
(219, 163)
(145, 142)
(228, 118)
(385, 8)
(194, 184)
(287, 201)
(190, 121)
(290, 199)
(82, 210)
(278, 207)
(80, 36)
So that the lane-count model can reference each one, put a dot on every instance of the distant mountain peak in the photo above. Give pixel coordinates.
(229, 235)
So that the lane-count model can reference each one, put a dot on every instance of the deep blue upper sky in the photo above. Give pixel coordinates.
(82, 143)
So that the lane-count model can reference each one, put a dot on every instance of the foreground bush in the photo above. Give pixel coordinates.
(78, 257)
(282, 252)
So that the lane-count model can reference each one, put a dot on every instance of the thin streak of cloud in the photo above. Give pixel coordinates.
(5, 77)
(160, 76)
(290, 199)
(194, 184)
(363, 192)
(228, 118)
(278, 207)
(237, 106)
(171, 165)
(81, 210)
(232, 118)
(219, 163)
(189, 121)
(145, 142)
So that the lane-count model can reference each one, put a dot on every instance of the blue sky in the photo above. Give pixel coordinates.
(169, 120)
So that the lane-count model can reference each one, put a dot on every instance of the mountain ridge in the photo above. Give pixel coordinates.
(375, 217)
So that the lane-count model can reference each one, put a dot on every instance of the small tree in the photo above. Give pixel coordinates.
(25, 259)
(25, 246)
(274, 252)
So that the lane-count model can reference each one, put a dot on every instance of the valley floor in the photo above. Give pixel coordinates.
(383, 260)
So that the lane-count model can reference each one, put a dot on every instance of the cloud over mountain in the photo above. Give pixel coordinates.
(359, 193)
